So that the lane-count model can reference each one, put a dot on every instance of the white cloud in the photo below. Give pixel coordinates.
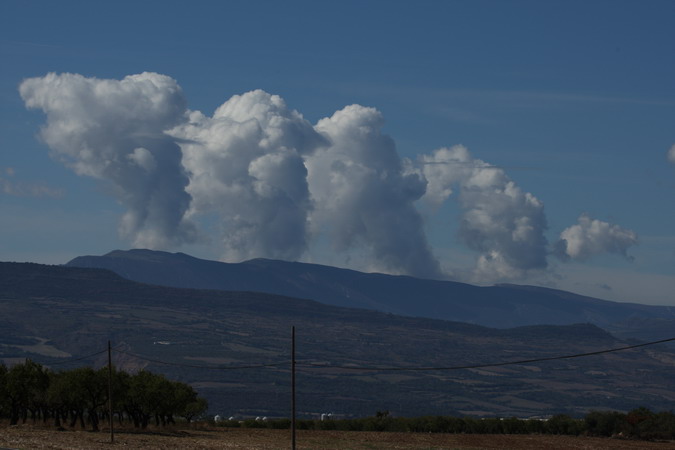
(246, 165)
(364, 194)
(114, 131)
(590, 237)
(276, 185)
(499, 220)
(444, 170)
(143, 158)
(671, 154)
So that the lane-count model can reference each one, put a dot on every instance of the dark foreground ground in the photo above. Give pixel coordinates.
(34, 437)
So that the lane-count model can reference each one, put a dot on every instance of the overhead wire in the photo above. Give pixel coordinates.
(479, 366)
(72, 360)
(310, 365)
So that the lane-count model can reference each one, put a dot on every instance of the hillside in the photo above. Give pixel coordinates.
(53, 314)
(501, 306)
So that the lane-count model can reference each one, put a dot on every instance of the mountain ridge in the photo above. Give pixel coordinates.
(47, 312)
(501, 306)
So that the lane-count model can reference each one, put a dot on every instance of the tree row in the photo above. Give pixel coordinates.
(80, 396)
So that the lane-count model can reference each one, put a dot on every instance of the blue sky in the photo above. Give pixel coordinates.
(573, 102)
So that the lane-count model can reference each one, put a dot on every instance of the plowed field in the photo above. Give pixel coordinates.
(32, 437)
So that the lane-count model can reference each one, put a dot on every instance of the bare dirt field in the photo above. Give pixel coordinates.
(34, 437)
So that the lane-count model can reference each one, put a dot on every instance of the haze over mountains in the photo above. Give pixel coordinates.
(500, 306)
(58, 315)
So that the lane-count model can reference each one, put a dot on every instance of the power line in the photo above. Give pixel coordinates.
(310, 365)
(480, 366)
(75, 359)
(195, 366)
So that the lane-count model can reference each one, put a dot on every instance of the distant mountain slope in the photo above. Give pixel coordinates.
(50, 312)
(497, 306)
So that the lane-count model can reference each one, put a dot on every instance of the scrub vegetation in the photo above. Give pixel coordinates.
(640, 423)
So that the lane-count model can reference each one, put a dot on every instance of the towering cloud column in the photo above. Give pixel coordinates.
(499, 220)
(364, 197)
(270, 184)
(246, 167)
(113, 130)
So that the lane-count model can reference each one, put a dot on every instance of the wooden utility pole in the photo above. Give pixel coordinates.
(110, 399)
(293, 387)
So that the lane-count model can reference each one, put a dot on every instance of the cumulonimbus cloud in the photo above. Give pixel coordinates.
(246, 165)
(590, 237)
(114, 131)
(364, 196)
(499, 220)
(274, 183)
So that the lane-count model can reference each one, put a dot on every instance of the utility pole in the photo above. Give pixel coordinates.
(293, 387)
(110, 401)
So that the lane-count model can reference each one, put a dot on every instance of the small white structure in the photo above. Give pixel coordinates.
(217, 418)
